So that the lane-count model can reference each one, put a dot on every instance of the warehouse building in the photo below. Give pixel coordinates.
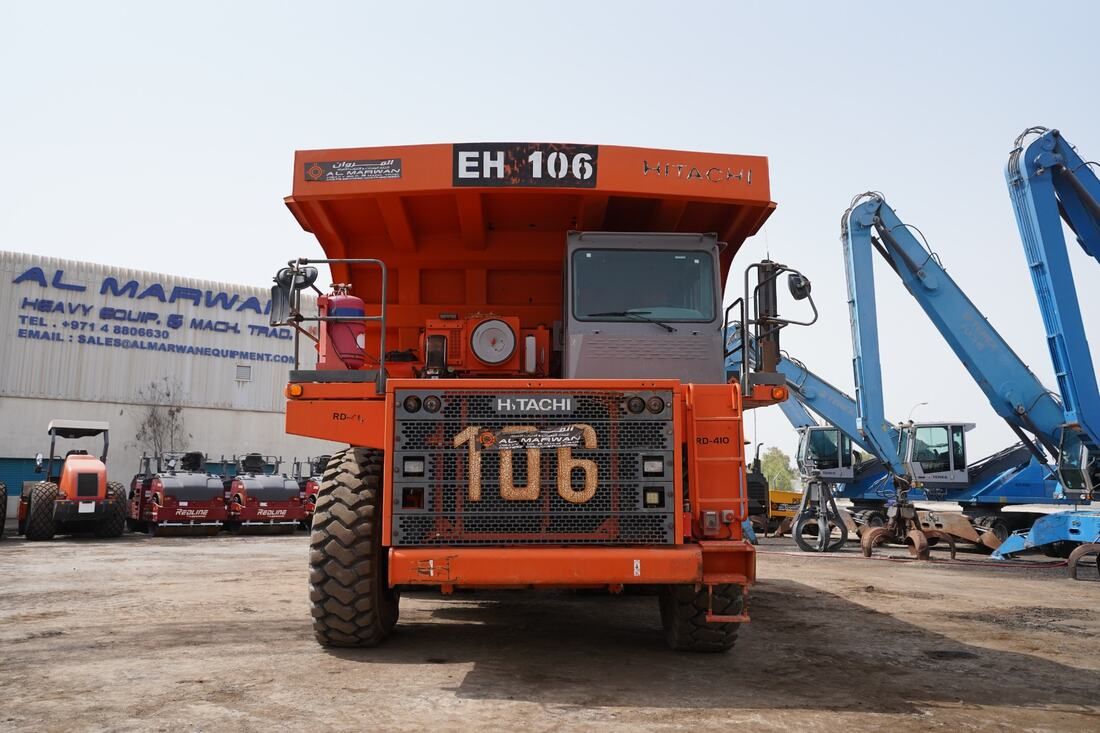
(171, 363)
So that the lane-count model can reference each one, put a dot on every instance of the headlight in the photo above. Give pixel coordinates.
(413, 467)
(412, 403)
(655, 404)
(635, 404)
(653, 466)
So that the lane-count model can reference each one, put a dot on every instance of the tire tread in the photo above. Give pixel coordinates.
(40, 514)
(684, 617)
(351, 603)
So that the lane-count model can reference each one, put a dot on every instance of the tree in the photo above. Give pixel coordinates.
(776, 467)
(162, 426)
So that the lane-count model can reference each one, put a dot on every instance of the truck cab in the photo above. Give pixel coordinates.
(643, 305)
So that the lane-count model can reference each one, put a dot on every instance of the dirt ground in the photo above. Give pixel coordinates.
(214, 634)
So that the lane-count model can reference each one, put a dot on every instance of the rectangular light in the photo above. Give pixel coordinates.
(653, 466)
(653, 497)
(413, 466)
(412, 497)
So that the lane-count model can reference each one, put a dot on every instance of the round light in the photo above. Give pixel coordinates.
(655, 404)
(635, 404)
(432, 403)
(412, 403)
(779, 393)
(493, 341)
(294, 390)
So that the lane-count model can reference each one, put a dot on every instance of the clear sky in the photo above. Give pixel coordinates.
(161, 138)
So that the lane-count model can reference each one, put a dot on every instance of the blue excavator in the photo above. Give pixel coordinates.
(1020, 473)
(1053, 188)
(830, 467)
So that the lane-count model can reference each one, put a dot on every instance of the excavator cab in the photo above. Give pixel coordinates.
(1078, 467)
(826, 453)
(934, 454)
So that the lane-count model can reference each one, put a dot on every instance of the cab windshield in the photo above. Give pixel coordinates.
(824, 451)
(628, 285)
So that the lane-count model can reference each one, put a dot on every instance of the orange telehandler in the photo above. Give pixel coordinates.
(524, 351)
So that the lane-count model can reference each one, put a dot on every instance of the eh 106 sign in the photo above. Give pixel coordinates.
(544, 165)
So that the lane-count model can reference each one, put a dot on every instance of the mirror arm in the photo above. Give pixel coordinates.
(296, 325)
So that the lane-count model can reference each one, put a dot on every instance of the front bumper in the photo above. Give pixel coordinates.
(706, 563)
(70, 511)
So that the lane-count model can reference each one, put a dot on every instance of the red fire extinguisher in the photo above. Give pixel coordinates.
(346, 338)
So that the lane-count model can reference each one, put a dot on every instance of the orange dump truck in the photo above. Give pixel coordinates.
(524, 351)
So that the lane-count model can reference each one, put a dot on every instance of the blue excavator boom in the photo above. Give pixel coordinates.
(1053, 188)
(1051, 185)
(1011, 388)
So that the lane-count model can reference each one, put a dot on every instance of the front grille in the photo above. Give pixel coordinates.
(87, 484)
(443, 512)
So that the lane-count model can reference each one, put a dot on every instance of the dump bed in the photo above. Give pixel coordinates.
(480, 227)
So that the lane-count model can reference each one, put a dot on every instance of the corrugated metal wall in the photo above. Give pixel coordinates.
(81, 331)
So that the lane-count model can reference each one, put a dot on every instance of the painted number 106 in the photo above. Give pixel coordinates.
(558, 165)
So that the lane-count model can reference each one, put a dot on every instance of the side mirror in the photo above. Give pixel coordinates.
(172, 463)
(38, 463)
(280, 306)
(287, 281)
(799, 285)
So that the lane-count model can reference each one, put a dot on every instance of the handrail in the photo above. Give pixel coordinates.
(297, 318)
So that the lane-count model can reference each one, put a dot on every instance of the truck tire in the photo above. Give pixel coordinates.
(1000, 526)
(870, 518)
(3, 507)
(684, 617)
(40, 521)
(114, 521)
(352, 604)
(1061, 549)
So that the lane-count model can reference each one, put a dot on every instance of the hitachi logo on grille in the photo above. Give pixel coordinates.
(532, 403)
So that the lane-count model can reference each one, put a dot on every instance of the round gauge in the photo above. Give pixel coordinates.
(493, 341)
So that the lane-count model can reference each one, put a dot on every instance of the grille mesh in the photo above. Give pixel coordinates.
(87, 485)
(614, 515)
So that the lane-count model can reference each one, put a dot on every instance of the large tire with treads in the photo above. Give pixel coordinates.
(684, 617)
(40, 523)
(114, 521)
(352, 603)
